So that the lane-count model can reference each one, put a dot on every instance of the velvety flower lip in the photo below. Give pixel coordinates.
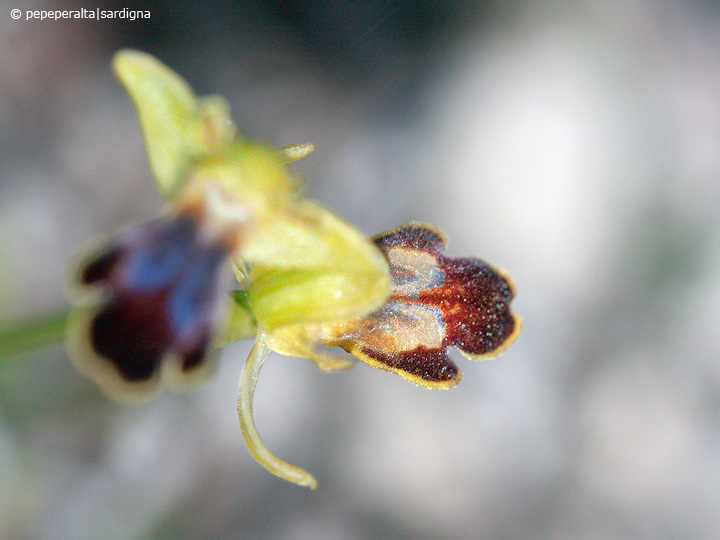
(437, 302)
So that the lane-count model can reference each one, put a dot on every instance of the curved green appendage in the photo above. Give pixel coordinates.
(246, 392)
(176, 126)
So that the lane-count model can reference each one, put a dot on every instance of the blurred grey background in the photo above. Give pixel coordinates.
(576, 144)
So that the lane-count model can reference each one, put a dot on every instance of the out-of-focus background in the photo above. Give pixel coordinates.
(576, 144)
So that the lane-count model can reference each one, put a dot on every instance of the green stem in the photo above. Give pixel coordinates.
(33, 335)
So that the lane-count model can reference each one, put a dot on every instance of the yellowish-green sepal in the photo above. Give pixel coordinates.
(313, 267)
(166, 106)
(177, 127)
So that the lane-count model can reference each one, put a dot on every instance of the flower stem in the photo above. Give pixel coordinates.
(32, 335)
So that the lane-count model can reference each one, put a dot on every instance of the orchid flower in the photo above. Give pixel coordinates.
(151, 307)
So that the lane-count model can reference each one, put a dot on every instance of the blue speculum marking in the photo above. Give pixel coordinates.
(435, 279)
(191, 301)
(409, 282)
(406, 313)
(163, 255)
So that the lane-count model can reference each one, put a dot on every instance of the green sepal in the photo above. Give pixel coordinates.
(311, 267)
(166, 106)
(176, 126)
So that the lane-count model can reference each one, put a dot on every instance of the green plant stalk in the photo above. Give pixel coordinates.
(32, 335)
